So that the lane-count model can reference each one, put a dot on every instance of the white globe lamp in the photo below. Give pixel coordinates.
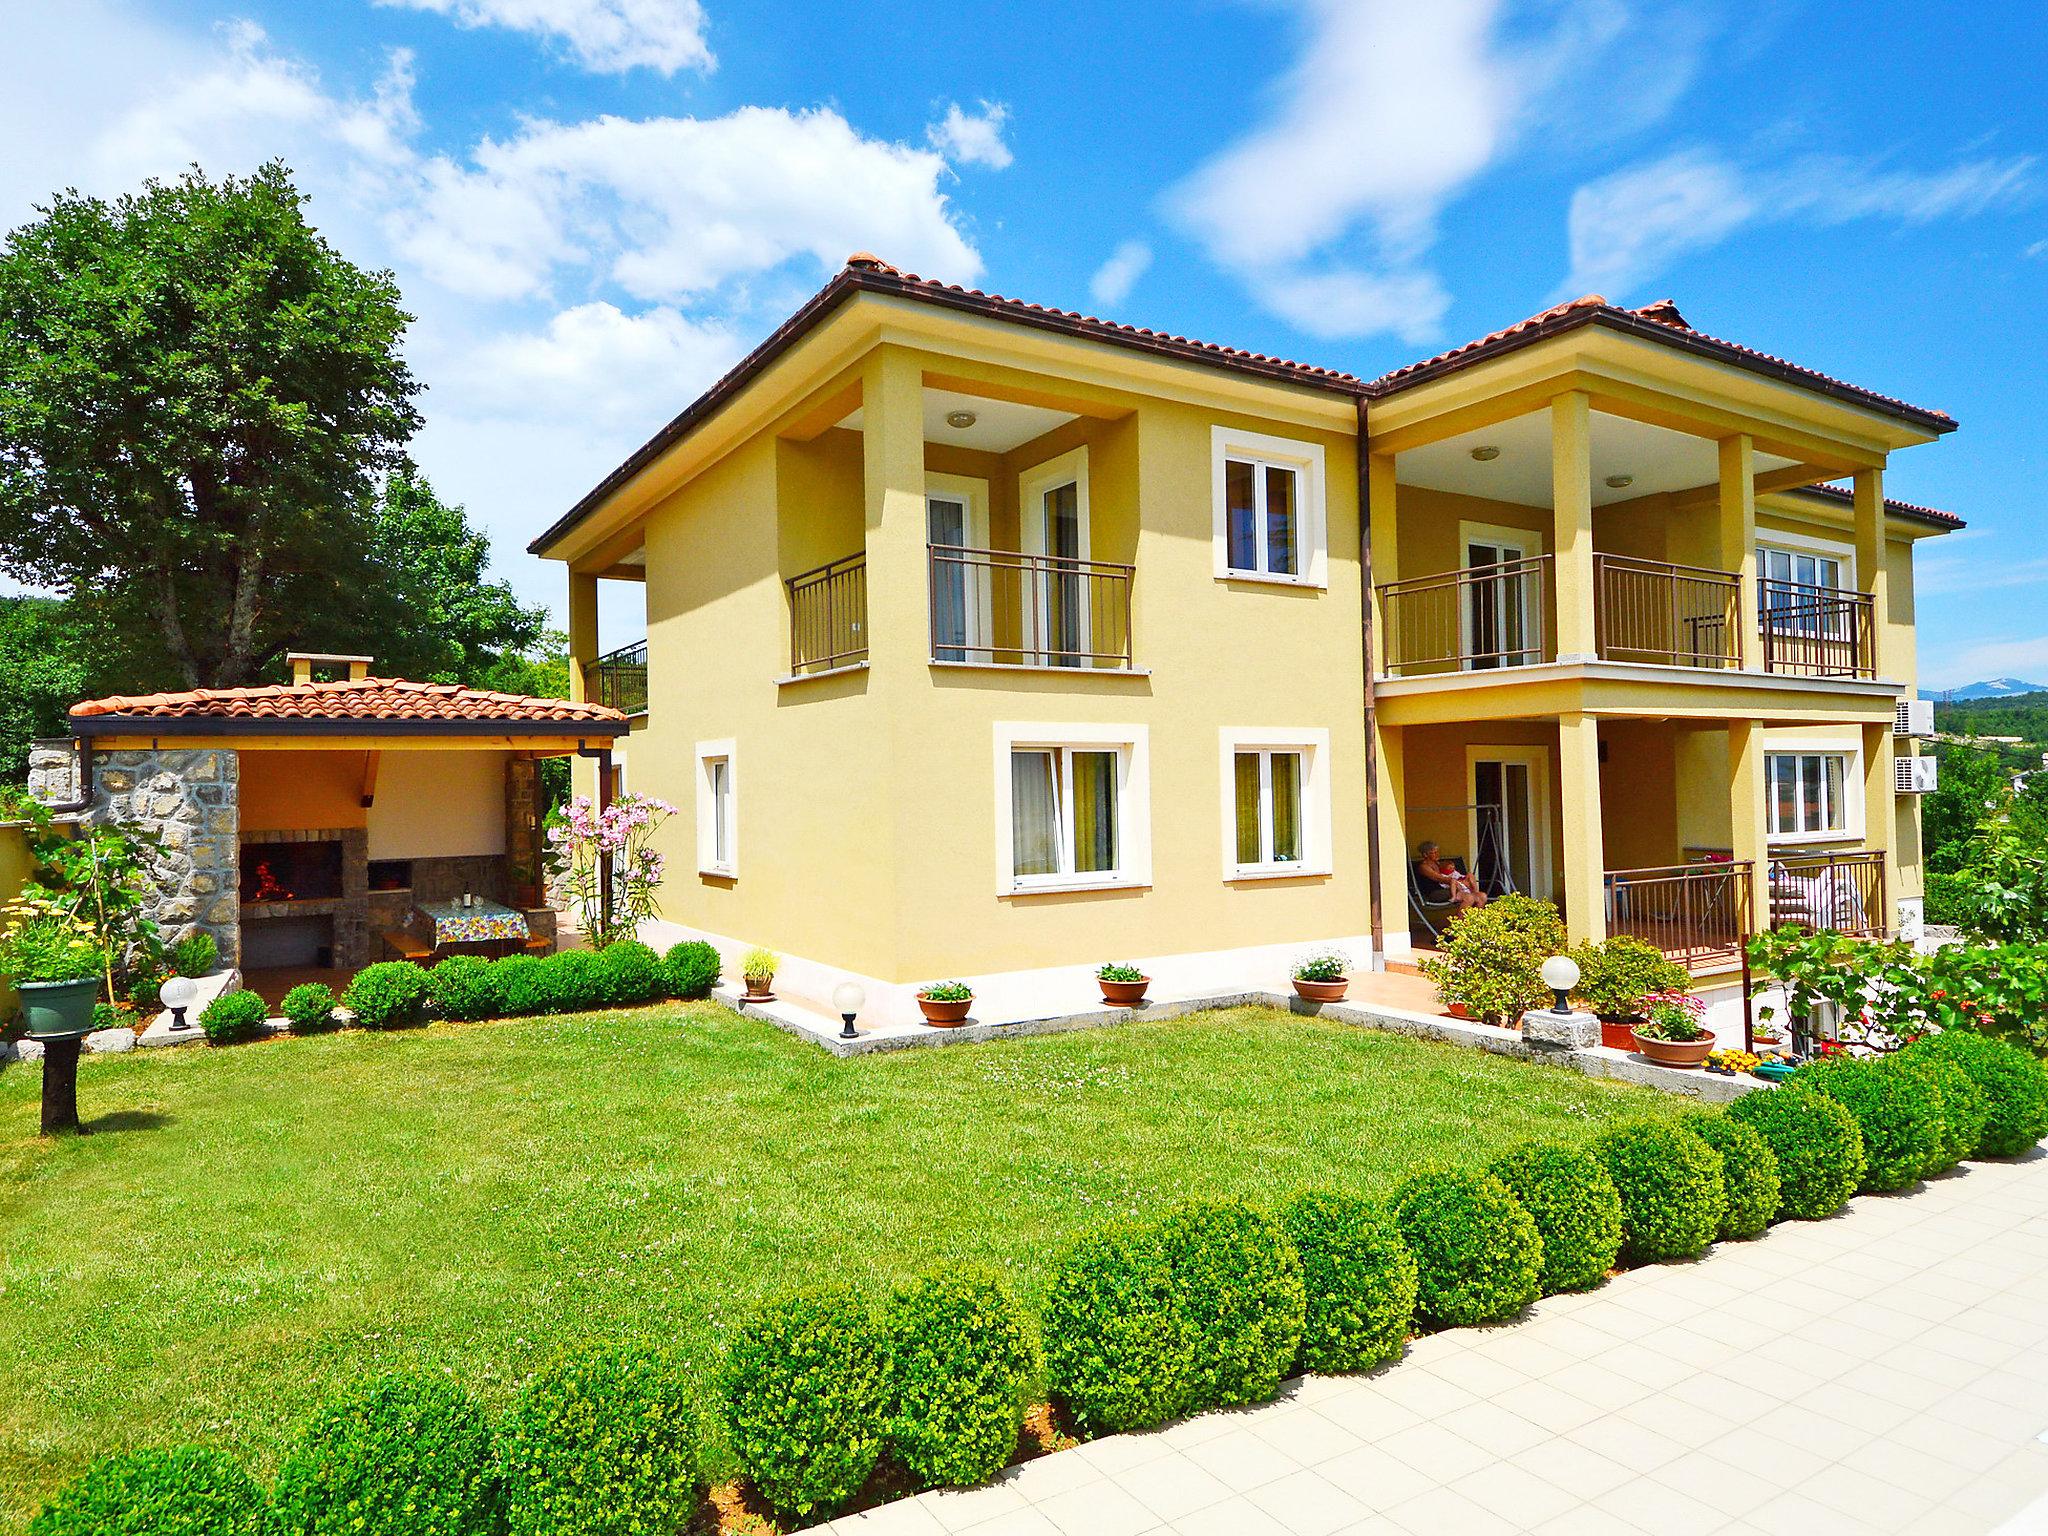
(1561, 974)
(848, 998)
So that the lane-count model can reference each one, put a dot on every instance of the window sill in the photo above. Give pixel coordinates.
(1290, 872)
(1069, 887)
(792, 678)
(1265, 579)
(1040, 668)
(709, 873)
(1813, 839)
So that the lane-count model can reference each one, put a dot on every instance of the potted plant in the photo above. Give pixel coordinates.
(1490, 968)
(758, 966)
(1319, 976)
(945, 1003)
(1615, 976)
(1123, 986)
(1675, 1033)
(57, 967)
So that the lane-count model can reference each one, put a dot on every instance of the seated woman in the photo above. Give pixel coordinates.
(1463, 889)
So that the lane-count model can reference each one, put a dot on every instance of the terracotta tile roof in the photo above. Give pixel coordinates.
(379, 703)
(1933, 515)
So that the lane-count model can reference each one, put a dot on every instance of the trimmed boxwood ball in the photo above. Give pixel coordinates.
(309, 1008)
(1567, 1192)
(1818, 1147)
(632, 972)
(186, 1491)
(520, 982)
(1119, 1351)
(600, 1444)
(1964, 1109)
(1358, 1278)
(961, 1358)
(389, 995)
(1240, 1289)
(1898, 1112)
(2014, 1084)
(1670, 1187)
(802, 1391)
(235, 1016)
(401, 1455)
(464, 987)
(1478, 1255)
(1749, 1172)
(574, 981)
(691, 968)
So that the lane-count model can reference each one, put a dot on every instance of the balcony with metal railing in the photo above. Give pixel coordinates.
(1814, 631)
(828, 616)
(1007, 608)
(1478, 619)
(618, 679)
(1671, 615)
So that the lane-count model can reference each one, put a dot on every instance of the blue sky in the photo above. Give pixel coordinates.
(594, 206)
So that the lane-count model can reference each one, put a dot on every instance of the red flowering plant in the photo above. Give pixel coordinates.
(1673, 1016)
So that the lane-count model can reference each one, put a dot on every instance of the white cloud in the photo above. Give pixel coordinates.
(2026, 659)
(1115, 278)
(1630, 225)
(610, 36)
(673, 207)
(1343, 302)
(2037, 251)
(1962, 562)
(971, 138)
(594, 361)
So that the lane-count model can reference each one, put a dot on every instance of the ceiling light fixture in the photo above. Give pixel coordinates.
(1620, 482)
(1486, 453)
(961, 419)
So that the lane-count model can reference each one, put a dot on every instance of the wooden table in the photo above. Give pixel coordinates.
(449, 923)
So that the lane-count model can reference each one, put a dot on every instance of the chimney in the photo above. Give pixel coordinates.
(303, 663)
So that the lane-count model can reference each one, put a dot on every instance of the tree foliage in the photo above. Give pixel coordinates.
(44, 676)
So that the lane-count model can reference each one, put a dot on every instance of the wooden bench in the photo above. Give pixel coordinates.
(539, 944)
(406, 946)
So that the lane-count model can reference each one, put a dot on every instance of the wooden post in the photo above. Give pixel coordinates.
(60, 1085)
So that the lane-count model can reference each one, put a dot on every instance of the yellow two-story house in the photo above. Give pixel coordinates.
(992, 641)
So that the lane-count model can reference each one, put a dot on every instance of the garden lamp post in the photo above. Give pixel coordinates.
(848, 998)
(1561, 974)
(177, 995)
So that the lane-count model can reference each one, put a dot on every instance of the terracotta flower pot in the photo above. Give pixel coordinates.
(945, 1014)
(1321, 991)
(1675, 1053)
(1618, 1034)
(759, 990)
(1123, 994)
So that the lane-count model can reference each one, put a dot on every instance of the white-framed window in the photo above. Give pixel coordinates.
(718, 809)
(1276, 802)
(1799, 581)
(1073, 807)
(1269, 517)
(1813, 793)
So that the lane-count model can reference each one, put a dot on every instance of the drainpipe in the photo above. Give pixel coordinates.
(1376, 919)
(83, 753)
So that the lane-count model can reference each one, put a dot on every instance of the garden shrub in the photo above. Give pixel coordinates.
(1478, 1255)
(2014, 1085)
(1898, 1112)
(1492, 959)
(1818, 1147)
(960, 1361)
(691, 969)
(186, 1491)
(1119, 1352)
(1567, 1192)
(1749, 1172)
(235, 1016)
(195, 954)
(1240, 1289)
(309, 1008)
(574, 981)
(389, 995)
(1358, 1279)
(632, 972)
(400, 1455)
(600, 1444)
(464, 987)
(1964, 1109)
(1620, 971)
(1669, 1181)
(520, 981)
(802, 1390)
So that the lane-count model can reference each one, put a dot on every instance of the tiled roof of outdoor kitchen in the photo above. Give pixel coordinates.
(372, 703)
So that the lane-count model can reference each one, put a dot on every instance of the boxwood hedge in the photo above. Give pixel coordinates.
(601, 1444)
(1818, 1147)
(186, 1491)
(633, 973)
(2014, 1084)
(1749, 1172)
(401, 1455)
(465, 987)
(1119, 1350)
(309, 1008)
(1478, 1255)
(1669, 1181)
(690, 969)
(1358, 1281)
(1240, 1288)
(389, 995)
(961, 1357)
(235, 1016)
(1567, 1192)
(1897, 1110)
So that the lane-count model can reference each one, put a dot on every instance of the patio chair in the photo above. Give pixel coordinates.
(1423, 903)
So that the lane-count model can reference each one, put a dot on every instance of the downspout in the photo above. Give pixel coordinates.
(1377, 918)
(83, 753)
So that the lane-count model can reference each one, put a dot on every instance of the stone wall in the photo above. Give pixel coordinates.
(187, 798)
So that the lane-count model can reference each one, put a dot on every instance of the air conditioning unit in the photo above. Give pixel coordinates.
(1915, 775)
(1915, 718)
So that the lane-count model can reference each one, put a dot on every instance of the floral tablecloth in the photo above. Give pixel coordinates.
(488, 922)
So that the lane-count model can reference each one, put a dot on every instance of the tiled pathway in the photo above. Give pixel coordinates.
(1883, 1371)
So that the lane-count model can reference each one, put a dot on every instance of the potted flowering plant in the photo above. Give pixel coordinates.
(1674, 1033)
(1319, 975)
(758, 967)
(1123, 986)
(56, 965)
(945, 1003)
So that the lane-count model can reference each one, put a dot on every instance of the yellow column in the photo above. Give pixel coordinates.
(1584, 886)
(1386, 551)
(892, 425)
(1738, 540)
(1571, 485)
(582, 632)
(1879, 800)
(1748, 829)
(1871, 572)
(1392, 791)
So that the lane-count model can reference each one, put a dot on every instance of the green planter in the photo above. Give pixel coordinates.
(59, 1010)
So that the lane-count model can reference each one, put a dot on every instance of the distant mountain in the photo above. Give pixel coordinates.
(1996, 688)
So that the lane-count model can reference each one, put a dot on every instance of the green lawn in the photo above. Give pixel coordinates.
(249, 1226)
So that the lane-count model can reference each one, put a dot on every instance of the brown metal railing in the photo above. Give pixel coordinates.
(1654, 611)
(1840, 891)
(618, 679)
(1001, 607)
(1696, 913)
(1476, 619)
(1813, 631)
(828, 616)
